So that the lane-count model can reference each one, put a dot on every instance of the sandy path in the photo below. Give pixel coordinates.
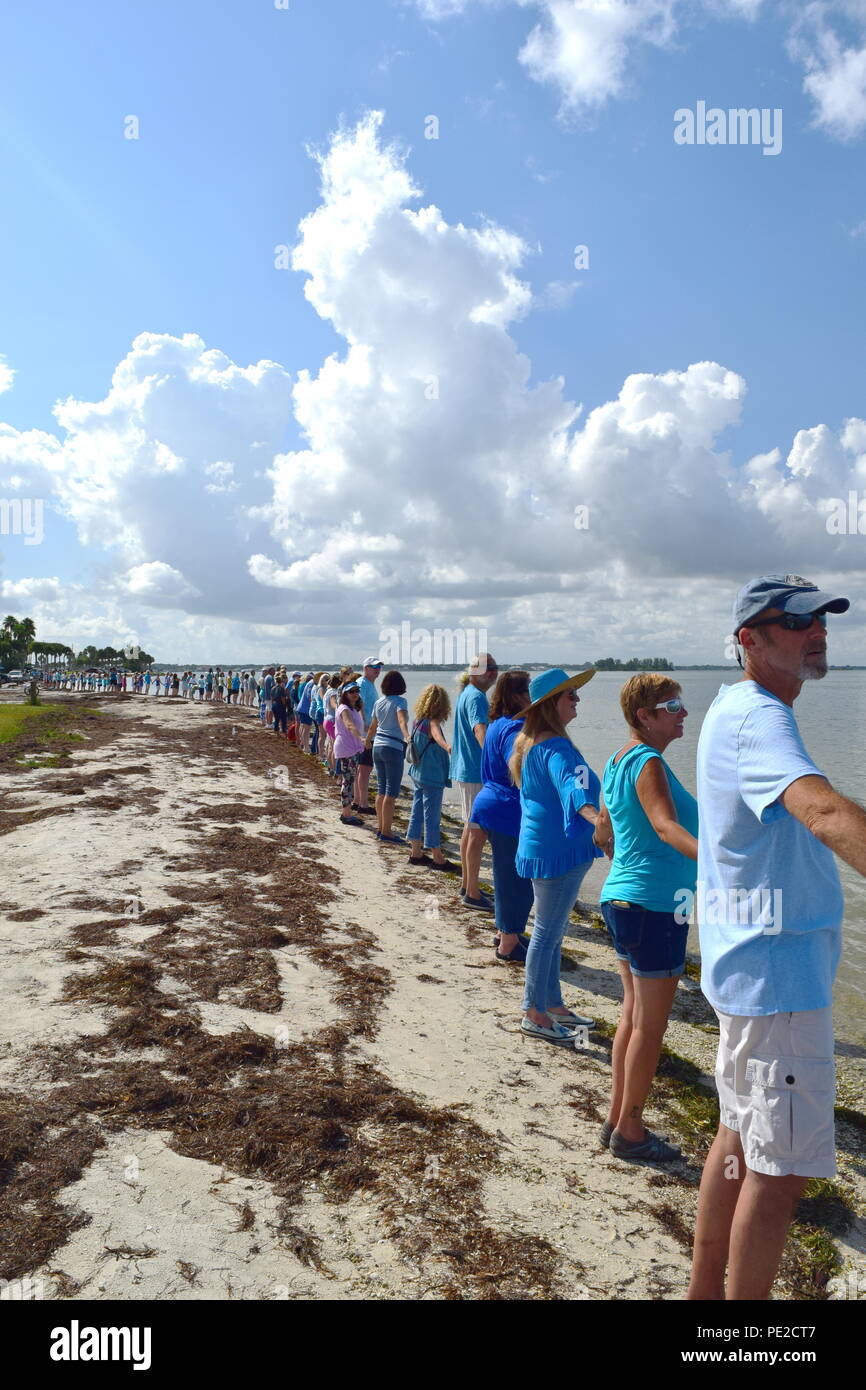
(468, 1164)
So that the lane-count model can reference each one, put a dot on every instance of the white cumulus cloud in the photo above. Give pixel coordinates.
(835, 68)
(435, 481)
(583, 46)
(587, 49)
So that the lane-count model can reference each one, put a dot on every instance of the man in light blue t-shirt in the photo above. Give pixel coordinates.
(770, 909)
(369, 696)
(470, 728)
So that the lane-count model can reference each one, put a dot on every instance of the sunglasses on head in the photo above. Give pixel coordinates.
(672, 706)
(793, 622)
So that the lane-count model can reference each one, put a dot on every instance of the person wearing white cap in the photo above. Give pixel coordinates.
(367, 686)
(771, 935)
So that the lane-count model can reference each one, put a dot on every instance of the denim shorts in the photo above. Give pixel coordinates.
(652, 943)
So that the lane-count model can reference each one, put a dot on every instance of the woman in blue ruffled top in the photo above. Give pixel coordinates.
(559, 799)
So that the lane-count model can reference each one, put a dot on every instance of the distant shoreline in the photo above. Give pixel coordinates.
(161, 666)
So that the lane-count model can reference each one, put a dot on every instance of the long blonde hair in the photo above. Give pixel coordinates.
(541, 720)
(433, 703)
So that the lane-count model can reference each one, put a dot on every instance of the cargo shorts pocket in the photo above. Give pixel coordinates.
(791, 1115)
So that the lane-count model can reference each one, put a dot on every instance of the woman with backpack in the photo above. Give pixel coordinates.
(429, 755)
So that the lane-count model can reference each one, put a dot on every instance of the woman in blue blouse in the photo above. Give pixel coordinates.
(559, 797)
(497, 810)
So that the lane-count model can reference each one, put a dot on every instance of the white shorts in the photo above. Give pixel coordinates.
(468, 792)
(777, 1086)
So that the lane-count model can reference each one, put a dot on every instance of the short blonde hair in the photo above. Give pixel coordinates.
(644, 691)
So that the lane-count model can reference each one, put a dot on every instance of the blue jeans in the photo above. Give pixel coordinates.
(426, 811)
(513, 894)
(554, 899)
(388, 763)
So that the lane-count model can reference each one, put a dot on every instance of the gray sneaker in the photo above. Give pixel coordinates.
(482, 903)
(650, 1149)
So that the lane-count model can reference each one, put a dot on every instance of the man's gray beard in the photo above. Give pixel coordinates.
(810, 672)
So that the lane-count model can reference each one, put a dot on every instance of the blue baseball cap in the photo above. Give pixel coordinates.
(789, 592)
(555, 682)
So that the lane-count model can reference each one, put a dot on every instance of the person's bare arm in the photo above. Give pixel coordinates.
(654, 795)
(603, 833)
(371, 732)
(480, 732)
(838, 823)
(404, 724)
(437, 735)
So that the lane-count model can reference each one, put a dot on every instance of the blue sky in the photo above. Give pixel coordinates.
(697, 254)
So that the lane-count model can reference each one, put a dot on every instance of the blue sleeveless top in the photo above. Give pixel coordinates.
(645, 870)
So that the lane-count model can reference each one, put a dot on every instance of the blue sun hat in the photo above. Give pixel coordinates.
(555, 682)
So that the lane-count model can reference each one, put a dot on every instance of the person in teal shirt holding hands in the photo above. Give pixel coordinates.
(655, 823)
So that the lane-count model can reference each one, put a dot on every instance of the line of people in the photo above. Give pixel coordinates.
(769, 822)
(524, 787)
(757, 842)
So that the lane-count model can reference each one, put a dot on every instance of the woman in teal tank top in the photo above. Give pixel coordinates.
(654, 823)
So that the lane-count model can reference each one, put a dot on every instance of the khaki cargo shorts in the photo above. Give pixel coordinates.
(776, 1079)
(467, 791)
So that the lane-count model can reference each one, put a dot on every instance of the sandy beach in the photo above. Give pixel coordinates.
(249, 1053)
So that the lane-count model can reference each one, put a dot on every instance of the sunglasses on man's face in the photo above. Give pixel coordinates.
(672, 706)
(793, 622)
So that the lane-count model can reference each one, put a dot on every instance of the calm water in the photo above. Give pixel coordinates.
(832, 717)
